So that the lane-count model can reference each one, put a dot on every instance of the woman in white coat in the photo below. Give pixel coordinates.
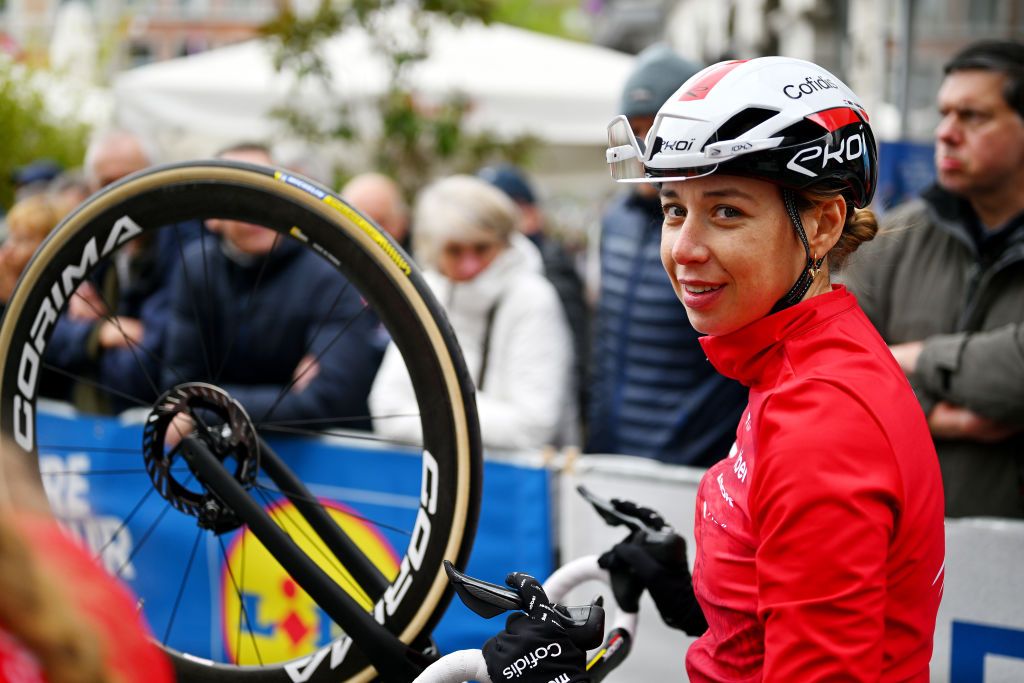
(506, 315)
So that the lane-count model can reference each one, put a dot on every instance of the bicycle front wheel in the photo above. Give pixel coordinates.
(149, 209)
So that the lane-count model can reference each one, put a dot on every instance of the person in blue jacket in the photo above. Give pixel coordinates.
(652, 391)
(282, 331)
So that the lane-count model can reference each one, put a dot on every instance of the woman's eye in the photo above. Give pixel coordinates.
(673, 211)
(727, 212)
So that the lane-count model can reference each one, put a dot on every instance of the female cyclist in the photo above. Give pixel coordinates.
(820, 540)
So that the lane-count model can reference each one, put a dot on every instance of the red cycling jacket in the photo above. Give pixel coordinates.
(820, 542)
(105, 605)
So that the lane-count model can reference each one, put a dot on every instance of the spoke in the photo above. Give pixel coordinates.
(339, 335)
(332, 421)
(94, 472)
(184, 582)
(249, 303)
(142, 539)
(145, 537)
(329, 558)
(238, 636)
(204, 351)
(209, 295)
(313, 499)
(352, 434)
(89, 447)
(97, 385)
(124, 523)
(241, 603)
(131, 344)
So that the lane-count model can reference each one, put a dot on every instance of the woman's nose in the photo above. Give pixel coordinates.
(688, 244)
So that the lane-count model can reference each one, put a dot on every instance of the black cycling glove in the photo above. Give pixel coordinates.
(657, 564)
(534, 648)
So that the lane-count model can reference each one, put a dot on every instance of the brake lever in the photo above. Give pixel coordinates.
(584, 624)
(664, 542)
(486, 599)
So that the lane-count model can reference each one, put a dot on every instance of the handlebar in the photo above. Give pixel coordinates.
(466, 665)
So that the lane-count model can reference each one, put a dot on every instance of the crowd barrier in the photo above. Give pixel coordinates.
(979, 636)
(531, 515)
(94, 491)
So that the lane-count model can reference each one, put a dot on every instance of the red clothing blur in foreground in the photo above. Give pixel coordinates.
(820, 542)
(105, 605)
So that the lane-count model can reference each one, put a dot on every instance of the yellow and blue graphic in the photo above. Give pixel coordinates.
(266, 616)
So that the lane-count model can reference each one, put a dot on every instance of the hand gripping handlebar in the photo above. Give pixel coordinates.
(488, 600)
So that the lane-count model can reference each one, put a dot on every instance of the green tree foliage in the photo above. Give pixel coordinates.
(543, 16)
(30, 132)
(414, 142)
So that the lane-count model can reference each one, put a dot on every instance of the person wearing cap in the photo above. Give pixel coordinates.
(944, 283)
(651, 392)
(820, 540)
(34, 177)
(559, 267)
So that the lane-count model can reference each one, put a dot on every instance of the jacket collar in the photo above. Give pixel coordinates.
(754, 354)
(956, 216)
(478, 295)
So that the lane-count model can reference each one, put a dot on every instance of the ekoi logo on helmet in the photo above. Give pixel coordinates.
(266, 617)
(849, 148)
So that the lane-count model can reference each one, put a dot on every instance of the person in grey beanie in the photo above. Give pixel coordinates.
(651, 392)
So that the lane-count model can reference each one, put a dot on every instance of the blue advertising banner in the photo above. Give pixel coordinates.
(904, 170)
(197, 589)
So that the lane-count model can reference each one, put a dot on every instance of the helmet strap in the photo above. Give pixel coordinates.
(803, 283)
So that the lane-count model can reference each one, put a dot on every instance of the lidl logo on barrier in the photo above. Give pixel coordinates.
(266, 616)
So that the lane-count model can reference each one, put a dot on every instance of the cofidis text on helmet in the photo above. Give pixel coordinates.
(810, 85)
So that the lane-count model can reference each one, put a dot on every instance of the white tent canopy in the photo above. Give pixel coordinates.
(518, 81)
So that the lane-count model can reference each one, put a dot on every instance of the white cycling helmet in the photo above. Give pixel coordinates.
(784, 120)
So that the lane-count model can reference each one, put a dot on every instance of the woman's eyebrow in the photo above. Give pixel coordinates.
(728, 192)
(724, 192)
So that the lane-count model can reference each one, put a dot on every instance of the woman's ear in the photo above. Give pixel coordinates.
(831, 215)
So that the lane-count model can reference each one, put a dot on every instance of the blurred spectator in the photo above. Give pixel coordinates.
(108, 342)
(379, 198)
(114, 154)
(275, 325)
(559, 266)
(652, 391)
(29, 221)
(68, 190)
(34, 178)
(944, 283)
(63, 619)
(506, 315)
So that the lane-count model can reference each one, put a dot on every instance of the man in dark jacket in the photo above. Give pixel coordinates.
(272, 323)
(944, 283)
(652, 391)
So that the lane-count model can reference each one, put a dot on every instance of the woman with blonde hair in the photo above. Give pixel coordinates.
(508, 319)
(29, 221)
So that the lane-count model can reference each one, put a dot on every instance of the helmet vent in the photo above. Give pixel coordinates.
(744, 121)
(802, 131)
